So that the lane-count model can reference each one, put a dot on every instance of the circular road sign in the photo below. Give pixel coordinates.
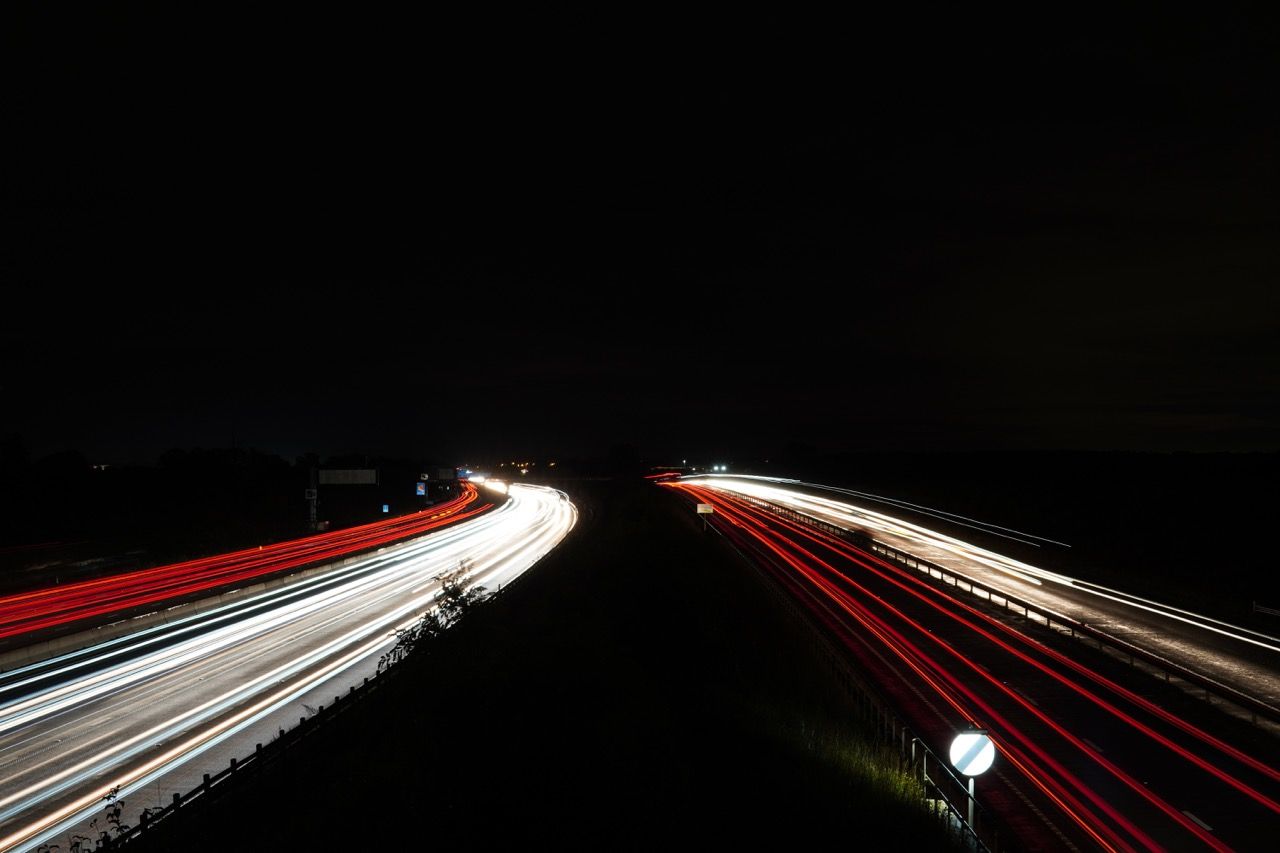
(972, 752)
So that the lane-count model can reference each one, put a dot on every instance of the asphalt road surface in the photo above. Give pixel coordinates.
(150, 712)
(1092, 754)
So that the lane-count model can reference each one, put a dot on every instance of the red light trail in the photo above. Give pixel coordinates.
(49, 607)
(954, 649)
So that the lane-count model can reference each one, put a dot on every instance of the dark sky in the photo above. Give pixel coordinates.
(441, 237)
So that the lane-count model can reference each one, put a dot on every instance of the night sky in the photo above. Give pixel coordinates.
(426, 237)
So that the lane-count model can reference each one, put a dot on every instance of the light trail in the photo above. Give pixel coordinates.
(1063, 787)
(1055, 761)
(853, 517)
(26, 612)
(954, 518)
(131, 711)
(949, 607)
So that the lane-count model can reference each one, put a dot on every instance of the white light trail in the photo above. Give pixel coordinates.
(852, 517)
(127, 711)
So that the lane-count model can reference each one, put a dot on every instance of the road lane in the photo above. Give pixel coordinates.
(1231, 655)
(141, 713)
(1078, 738)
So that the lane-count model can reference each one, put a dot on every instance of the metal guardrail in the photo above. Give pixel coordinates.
(1270, 611)
(1034, 612)
(947, 794)
(262, 755)
(22, 648)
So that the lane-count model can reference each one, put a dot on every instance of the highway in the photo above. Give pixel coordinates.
(1235, 656)
(1092, 755)
(150, 710)
(72, 605)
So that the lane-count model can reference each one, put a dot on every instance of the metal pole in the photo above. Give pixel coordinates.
(971, 829)
(315, 484)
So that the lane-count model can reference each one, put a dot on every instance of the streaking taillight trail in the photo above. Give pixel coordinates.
(153, 708)
(85, 600)
(830, 576)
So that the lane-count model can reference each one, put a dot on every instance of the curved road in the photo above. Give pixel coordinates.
(151, 711)
(1234, 656)
(1090, 755)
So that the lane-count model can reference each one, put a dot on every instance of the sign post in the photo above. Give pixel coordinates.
(312, 498)
(704, 510)
(972, 753)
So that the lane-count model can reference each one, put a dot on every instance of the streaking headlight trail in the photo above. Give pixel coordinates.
(924, 542)
(139, 708)
(1092, 754)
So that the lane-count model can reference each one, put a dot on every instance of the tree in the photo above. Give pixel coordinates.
(455, 599)
(454, 602)
(112, 811)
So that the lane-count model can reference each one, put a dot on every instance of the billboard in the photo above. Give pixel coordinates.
(419, 488)
(349, 477)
